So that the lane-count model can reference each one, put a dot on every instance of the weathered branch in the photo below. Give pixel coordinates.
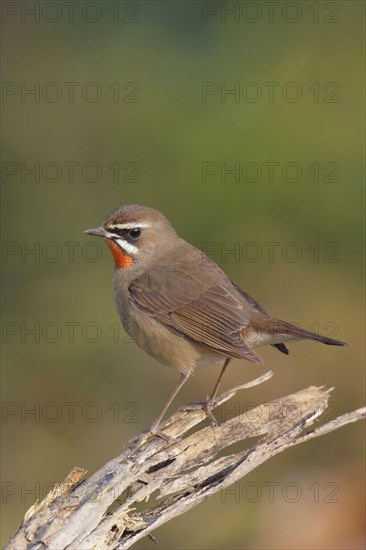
(98, 513)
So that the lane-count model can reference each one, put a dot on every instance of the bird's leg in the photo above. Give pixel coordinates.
(215, 390)
(154, 428)
(210, 402)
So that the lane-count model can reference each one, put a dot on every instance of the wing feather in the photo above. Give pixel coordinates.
(198, 305)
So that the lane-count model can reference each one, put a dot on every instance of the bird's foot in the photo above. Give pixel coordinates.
(208, 407)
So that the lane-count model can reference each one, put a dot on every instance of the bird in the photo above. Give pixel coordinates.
(180, 307)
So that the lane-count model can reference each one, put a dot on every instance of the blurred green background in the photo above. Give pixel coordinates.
(144, 138)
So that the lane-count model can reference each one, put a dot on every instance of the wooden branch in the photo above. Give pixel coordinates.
(98, 512)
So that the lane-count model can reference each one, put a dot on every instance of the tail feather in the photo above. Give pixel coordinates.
(290, 332)
(282, 348)
(267, 329)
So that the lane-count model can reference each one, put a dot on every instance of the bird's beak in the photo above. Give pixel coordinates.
(96, 231)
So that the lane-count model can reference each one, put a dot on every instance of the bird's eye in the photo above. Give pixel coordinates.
(135, 233)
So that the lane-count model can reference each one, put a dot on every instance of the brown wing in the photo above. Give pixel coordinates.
(201, 304)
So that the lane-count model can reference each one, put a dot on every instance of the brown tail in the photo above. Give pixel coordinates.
(289, 332)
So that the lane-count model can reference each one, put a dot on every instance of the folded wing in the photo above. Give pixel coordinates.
(197, 303)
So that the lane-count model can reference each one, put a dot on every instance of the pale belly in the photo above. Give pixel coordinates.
(163, 344)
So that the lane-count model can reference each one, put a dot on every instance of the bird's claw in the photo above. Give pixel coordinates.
(208, 407)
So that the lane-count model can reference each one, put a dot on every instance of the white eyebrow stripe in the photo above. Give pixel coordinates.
(131, 225)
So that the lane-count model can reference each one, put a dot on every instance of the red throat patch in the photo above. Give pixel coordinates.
(121, 260)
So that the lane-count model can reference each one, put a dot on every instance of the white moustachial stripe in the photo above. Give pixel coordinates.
(127, 247)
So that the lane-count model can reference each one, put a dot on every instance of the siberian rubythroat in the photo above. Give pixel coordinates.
(178, 304)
